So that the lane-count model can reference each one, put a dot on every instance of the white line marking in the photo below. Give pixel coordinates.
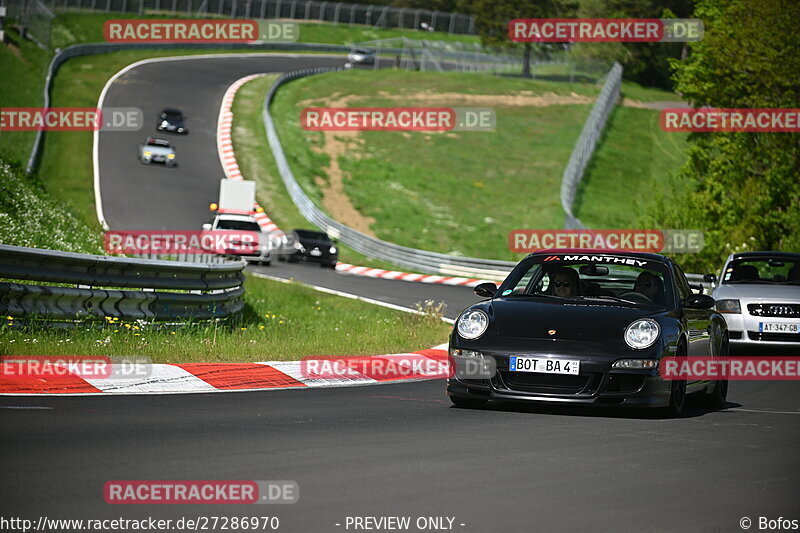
(764, 411)
(348, 295)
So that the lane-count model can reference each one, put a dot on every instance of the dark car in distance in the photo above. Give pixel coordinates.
(587, 327)
(311, 246)
(172, 120)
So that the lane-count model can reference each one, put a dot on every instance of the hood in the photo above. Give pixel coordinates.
(531, 318)
(757, 292)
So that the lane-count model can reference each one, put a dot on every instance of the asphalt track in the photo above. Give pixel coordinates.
(388, 450)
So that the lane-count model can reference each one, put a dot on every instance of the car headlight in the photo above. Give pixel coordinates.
(642, 333)
(146, 153)
(728, 306)
(472, 324)
(180, 130)
(164, 123)
(332, 250)
(170, 156)
(297, 246)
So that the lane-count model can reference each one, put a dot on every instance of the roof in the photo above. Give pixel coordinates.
(785, 255)
(602, 251)
(233, 216)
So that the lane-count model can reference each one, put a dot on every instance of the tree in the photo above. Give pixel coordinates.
(747, 192)
(492, 17)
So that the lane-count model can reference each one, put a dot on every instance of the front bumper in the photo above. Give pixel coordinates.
(597, 384)
(743, 330)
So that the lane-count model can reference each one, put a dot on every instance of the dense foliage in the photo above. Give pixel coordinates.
(747, 185)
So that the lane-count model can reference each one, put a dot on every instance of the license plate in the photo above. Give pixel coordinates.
(777, 327)
(315, 253)
(544, 366)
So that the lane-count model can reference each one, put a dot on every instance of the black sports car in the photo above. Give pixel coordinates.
(171, 120)
(586, 327)
(307, 245)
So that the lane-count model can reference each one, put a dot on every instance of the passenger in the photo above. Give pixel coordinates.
(565, 282)
(649, 285)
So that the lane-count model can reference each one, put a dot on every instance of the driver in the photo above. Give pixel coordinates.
(566, 282)
(649, 285)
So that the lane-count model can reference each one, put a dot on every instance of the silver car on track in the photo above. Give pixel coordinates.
(157, 151)
(759, 296)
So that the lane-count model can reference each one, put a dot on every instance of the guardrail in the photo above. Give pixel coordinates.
(103, 286)
(421, 260)
(584, 147)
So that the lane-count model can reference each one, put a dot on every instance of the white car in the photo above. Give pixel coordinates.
(361, 56)
(257, 253)
(758, 293)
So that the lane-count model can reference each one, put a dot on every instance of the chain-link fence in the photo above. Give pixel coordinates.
(300, 10)
(33, 17)
(584, 147)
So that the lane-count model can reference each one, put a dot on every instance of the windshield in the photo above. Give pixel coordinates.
(619, 280)
(240, 225)
(771, 270)
(312, 235)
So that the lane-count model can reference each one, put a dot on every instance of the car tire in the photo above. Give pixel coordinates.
(718, 398)
(677, 396)
(467, 403)
(145, 161)
(266, 263)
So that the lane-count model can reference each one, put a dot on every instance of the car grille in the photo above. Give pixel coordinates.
(545, 383)
(775, 310)
(775, 337)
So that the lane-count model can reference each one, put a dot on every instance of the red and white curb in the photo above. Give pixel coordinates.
(225, 149)
(238, 377)
(227, 157)
(407, 276)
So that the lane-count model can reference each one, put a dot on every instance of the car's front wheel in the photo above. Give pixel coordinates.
(467, 403)
(719, 396)
(677, 396)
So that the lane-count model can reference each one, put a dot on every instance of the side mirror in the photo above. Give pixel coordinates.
(699, 288)
(486, 290)
(699, 301)
(206, 227)
(711, 278)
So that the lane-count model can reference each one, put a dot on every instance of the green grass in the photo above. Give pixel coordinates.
(29, 216)
(24, 66)
(457, 192)
(280, 322)
(633, 167)
(257, 163)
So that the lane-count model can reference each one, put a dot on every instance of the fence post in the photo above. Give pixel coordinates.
(336, 11)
